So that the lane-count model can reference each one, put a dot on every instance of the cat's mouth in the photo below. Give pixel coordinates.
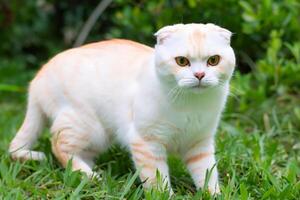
(199, 88)
(194, 86)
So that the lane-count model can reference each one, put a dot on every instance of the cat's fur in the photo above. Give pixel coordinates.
(125, 91)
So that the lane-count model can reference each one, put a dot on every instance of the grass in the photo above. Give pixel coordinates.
(257, 150)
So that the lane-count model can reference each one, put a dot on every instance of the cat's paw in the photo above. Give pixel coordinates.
(94, 176)
(214, 190)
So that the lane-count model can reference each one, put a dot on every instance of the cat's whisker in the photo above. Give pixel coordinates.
(176, 95)
(172, 91)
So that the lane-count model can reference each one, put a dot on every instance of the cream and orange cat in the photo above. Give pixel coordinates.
(153, 101)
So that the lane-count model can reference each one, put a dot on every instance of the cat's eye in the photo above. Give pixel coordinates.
(182, 61)
(213, 60)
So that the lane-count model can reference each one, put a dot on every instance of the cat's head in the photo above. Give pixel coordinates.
(194, 56)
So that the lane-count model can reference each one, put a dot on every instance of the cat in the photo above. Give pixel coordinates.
(152, 101)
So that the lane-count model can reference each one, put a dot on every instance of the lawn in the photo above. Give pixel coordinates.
(257, 147)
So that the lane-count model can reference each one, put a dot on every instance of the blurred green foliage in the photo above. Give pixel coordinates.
(36, 29)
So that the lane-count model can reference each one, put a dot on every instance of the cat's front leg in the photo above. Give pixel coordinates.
(150, 158)
(200, 159)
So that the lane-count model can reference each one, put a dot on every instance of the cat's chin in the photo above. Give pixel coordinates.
(199, 89)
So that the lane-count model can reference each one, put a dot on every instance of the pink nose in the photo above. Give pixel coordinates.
(199, 75)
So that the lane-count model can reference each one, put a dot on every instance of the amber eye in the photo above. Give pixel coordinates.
(182, 61)
(213, 60)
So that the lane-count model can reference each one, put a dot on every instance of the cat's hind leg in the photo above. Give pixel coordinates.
(66, 149)
(76, 141)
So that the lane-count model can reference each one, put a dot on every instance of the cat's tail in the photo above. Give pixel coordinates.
(20, 147)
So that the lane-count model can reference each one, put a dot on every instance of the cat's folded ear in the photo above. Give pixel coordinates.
(226, 34)
(165, 32)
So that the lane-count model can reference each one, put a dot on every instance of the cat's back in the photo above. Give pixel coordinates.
(117, 55)
(119, 44)
(107, 63)
(105, 70)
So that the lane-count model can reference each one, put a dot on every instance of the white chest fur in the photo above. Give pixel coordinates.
(180, 125)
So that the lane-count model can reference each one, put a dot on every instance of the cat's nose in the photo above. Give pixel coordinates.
(199, 75)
